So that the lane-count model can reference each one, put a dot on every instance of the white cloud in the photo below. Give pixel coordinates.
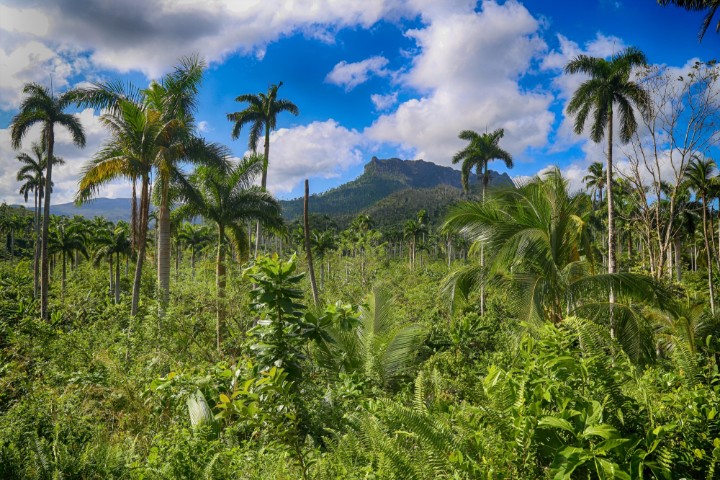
(383, 102)
(65, 177)
(350, 75)
(319, 149)
(203, 126)
(465, 86)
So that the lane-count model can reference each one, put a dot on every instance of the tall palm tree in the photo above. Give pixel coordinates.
(595, 180)
(32, 174)
(478, 154)
(609, 85)
(322, 244)
(482, 149)
(261, 114)
(699, 177)
(228, 199)
(116, 243)
(541, 256)
(195, 237)
(153, 130)
(42, 107)
(709, 6)
(412, 230)
(66, 238)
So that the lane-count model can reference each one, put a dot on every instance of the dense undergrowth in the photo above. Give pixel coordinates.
(394, 386)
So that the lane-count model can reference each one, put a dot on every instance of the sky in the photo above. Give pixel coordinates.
(385, 78)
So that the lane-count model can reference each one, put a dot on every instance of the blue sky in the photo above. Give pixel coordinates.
(371, 77)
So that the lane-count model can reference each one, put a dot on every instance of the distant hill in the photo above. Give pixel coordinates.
(113, 209)
(391, 191)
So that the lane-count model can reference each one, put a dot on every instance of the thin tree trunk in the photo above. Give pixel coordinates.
(44, 254)
(64, 274)
(36, 254)
(117, 279)
(611, 216)
(308, 249)
(678, 258)
(482, 245)
(142, 237)
(220, 280)
(133, 218)
(111, 276)
(709, 257)
(163, 255)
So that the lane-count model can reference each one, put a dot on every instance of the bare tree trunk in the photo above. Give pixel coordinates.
(709, 256)
(133, 218)
(678, 258)
(163, 255)
(142, 237)
(308, 249)
(111, 276)
(220, 281)
(36, 254)
(44, 254)
(117, 279)
(64, 275)
(611, 216)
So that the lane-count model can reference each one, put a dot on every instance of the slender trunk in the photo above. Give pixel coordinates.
(678, 258)
(263, 182)
(482, 245)
(64, 275)
(111, 276)
(177, 260)
(192, 262)
(44, 254)
(709, 256)
(164, 253)
(611, 216)
(308, 249)
(142, 236)
(220, 284)
(133, 218)
(117, 278)
(36, 254)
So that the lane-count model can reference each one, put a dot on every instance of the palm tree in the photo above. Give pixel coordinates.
(153, 129)
(699, 177)
(228, 199)
(411, 231)
(116, 243)
(32, 173)
(479, 153)
(322, 243)
(41, 106)
(261, 114)
(195, 237)
(711, 6)
(609, 85)
(66, 238)
(595, 180)
(541, 256)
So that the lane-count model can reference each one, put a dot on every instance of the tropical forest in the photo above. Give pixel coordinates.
(417, 319)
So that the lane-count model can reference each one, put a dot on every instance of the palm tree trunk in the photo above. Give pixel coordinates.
(142, 236)
(482, 245)
(308, 249)
(611, 216)
(133, 218)
(36, 253)
(220, 284)
(164, 254)
(709, 256)
(64, 274)
(117, 279)
(111, 276)
(678, 258)
(44, 253)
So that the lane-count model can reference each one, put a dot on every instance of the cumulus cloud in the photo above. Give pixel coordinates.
(65, 177)
(464, 85)
(350, 75)
(383, 102)
(319, 149)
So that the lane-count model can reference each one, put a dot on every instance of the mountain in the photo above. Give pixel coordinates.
(391, 191)
(113, 209)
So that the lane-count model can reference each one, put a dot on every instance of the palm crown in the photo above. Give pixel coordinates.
(482, 149)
